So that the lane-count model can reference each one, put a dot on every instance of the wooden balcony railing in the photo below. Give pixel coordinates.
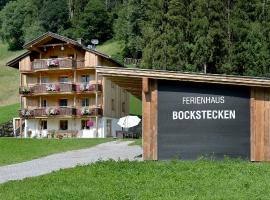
(59, 88)
(56, 63)
(59, 111)
(88, 88)
(86, 111)
(53, 88)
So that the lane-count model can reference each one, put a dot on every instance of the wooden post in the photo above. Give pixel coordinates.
(260, 124)
(96, 93)
(150, 119)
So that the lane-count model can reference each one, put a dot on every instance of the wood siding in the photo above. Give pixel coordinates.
(150, 117)
(90, 59)
(116, 95)
(25, 64)
(260, 124)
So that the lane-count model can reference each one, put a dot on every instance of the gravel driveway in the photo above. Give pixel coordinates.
(117, 150)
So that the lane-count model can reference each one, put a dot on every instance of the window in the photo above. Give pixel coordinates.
(63, 125)
(123, 107)
(85, 79)
(54, 57)
(43, 125)
(84, 125)
(44, 80)
(63, 79)
(44, 103)
(63, 103)
(85, 102)
(113, 106)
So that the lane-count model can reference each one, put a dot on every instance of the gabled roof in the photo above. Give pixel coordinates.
(62, 38)
(15, 62)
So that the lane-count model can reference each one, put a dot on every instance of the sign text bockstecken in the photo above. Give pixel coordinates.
(196, 119)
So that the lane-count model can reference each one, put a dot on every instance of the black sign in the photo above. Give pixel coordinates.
(196, 119)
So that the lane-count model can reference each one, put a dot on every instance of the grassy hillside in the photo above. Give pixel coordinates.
(9, 77)
(111, 47)
(8, 112)
(114, 48)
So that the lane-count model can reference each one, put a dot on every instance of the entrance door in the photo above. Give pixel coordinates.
(109, 128)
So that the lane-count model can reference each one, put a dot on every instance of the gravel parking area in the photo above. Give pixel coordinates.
(116, 150)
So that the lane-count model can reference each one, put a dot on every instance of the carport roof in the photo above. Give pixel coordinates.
(131, 78)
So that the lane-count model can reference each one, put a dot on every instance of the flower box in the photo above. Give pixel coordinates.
(52, 111)
(85, 111)
(52, 88)
(26, 113)
(25, 90)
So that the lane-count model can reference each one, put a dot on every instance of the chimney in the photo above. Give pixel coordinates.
(80, 41)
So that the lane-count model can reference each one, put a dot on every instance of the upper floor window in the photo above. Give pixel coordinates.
(85, 102)
(63, 102)
(85, 79)
(63, 79)
(113, 105)
(44, 103)
(123, 107)
(44, 79)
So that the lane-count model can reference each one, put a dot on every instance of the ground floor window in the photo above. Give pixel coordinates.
(44, 125)
(85, 125)
(63, 125)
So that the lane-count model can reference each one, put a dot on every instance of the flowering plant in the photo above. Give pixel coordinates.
(26, 113)
(90, 123)
(86, 87)
(52, 88)
(85, 111)
(25, 90)
(52, 111)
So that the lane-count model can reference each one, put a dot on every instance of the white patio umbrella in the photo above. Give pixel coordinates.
(129, 121)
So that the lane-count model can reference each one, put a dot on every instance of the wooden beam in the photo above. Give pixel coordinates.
(145, 85)
(150, 121)
(260, 124)
(187, 77)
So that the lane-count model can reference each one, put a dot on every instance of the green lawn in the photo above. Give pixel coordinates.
(17, 150)
(7, 113)
(172, 180)
(135, 107)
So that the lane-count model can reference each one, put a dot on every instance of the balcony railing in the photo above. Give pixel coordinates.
(59, 88)
(88, 87)
(86, 111)
(59, 111)
(56, 63)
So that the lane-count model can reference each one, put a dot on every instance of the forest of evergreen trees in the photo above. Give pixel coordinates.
(227, 36)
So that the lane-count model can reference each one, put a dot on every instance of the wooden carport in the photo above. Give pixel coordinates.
(143, 83)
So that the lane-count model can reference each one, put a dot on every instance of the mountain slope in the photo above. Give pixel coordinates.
(9, 77)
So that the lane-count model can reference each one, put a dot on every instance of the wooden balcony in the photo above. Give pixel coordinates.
(48, 112)
(57, 63)
(58, 88)
(85, 111)
(88, 88)
(59, 111)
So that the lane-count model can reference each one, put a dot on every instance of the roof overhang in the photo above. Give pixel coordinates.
(131, 78)
(14, 63)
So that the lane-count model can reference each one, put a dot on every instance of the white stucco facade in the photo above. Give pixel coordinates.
(53, 124)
